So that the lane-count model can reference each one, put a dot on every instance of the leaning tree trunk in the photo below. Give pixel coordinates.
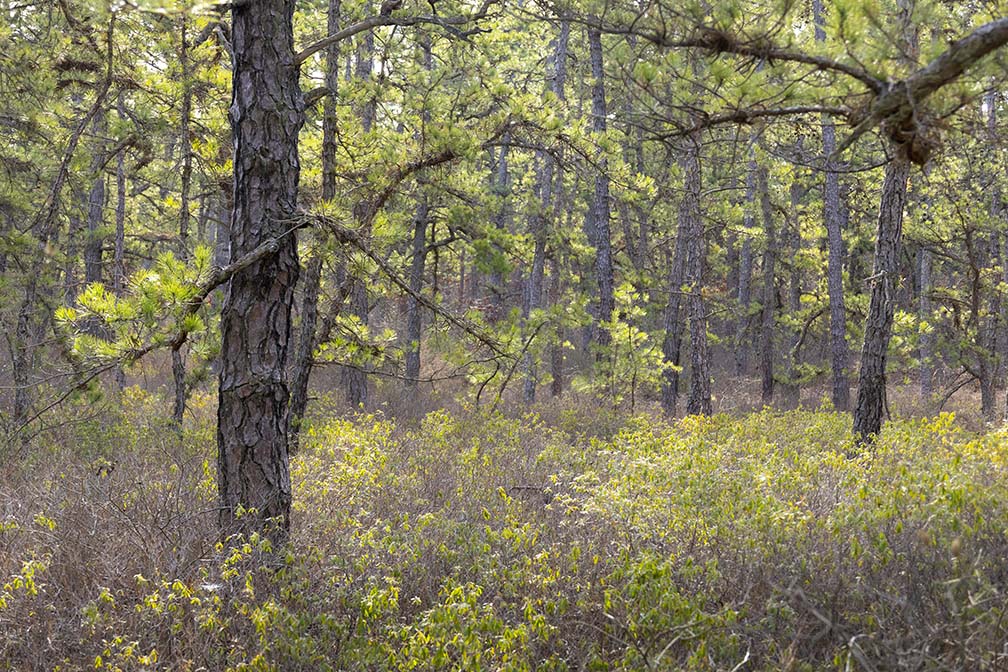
(871, 398)
(266, 115)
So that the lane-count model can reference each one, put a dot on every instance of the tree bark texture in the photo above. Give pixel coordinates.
(691, 228)
(266, 115)
(871, 398)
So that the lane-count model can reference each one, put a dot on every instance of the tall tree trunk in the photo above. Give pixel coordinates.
(355, 381)
(769, 290)
(252, 418)
(691, 226)
(833, 218)
(557, 76)
(600, 208)
(792, 390)
(119, 249)
(871, 398)
(414, 317)
(745, 269)
(185, 140)
(307, 336)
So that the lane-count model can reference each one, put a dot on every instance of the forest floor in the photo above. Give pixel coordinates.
(573, 538)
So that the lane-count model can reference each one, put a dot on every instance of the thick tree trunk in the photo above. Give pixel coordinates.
(769, 290)
(600, 207)
(871, 398)
(833, 218)
(266, 115)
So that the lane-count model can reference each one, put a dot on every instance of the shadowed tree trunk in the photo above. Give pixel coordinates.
(871, 398)
(266, 115)
(673, 326)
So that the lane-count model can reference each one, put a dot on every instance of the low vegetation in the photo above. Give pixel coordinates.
(575, 539)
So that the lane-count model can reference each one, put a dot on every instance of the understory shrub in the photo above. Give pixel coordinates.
(478, 542)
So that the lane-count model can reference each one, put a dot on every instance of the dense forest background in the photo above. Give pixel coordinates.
(598, 310)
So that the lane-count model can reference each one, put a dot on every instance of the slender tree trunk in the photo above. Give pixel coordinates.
(988, 329)
(307, 336)
(355, 381)
(252, 419)
(414, 323)
(745, 269)
(96, 206)
(185, 139)
(414, 317)
(792, 390)
(833, 218)
(926, 316)
(539, 223)
(119, 253)
(769, 290)
(871, 398)
(673, 327)
(600, 207)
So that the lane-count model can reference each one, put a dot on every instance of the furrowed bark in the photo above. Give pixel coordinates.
(266, 115)
(871, 399)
